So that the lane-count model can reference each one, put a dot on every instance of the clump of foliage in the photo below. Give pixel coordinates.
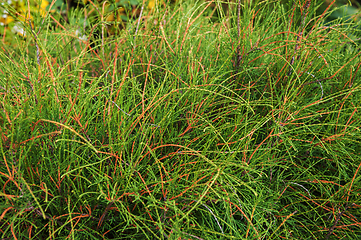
(180, 126)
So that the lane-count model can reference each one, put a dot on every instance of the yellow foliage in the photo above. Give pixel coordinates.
(111, 18)
(151, 4)
(22, 10)
(22, 14)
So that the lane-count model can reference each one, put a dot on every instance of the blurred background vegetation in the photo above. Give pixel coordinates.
(16, 15)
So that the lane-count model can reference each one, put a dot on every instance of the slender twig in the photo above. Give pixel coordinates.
(104, 214)
(301, 187)
(335, 223)
(136, 30)
(238, 54)
(192, 236)
(305, 12)
(36, 44)
(219, 225)
(120, 108)
(319, 82)
(239, 201)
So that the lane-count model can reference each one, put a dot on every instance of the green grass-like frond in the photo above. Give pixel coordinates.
(195, 121)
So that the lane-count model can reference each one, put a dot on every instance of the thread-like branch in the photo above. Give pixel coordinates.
(238, 54)
(336, 221)
(300, 33)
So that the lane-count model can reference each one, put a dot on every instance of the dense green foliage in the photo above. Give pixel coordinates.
(183, 125)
